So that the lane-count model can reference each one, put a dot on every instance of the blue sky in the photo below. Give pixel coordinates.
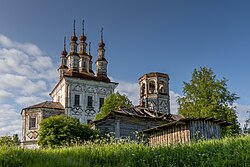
(141, 36)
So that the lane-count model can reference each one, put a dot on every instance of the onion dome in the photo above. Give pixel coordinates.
(64, 52)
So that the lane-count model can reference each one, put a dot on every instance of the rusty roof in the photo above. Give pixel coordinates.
(154, 74)
(47, 104)
(141, 112)
(74, 74)
(185, 120)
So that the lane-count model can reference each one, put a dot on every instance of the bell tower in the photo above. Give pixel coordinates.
(154, 91)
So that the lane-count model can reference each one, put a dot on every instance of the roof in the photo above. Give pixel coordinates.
(185, 120)
(154, 74)
(71, 73)
(47, 104)
(141, 112)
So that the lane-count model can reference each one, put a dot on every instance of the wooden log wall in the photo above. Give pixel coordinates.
(184, 133)
(202, 129)
(170, 135)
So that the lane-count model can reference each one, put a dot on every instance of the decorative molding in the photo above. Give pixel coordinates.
(90, 112)
(77, 110)
(32, 134)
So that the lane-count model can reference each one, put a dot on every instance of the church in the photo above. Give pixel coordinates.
(80, 93)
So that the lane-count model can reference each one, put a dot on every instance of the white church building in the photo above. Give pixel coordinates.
(79, 92)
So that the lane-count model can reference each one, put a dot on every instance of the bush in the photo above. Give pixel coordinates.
(63, 130)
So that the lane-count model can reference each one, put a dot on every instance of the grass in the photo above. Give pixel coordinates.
(224, 152)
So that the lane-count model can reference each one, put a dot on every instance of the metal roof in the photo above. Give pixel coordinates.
(141, 112)
(47, 104)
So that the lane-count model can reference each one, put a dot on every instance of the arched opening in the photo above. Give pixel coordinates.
(151, 86)
(142, 89)
(162, 87)
(84, 65)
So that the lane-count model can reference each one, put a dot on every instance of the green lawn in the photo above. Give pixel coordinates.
(224, 152)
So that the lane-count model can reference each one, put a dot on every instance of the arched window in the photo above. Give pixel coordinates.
(162, 87)
(151, 86)
(143, 89)
(84, 65)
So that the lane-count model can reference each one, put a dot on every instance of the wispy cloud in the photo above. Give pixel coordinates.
(25, 74)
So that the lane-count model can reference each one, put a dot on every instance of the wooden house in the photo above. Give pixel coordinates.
(126, 122)
(185, 130)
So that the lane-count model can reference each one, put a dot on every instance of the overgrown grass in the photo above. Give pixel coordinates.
(224, 152)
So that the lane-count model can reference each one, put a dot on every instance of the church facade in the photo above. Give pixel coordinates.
(80, 92)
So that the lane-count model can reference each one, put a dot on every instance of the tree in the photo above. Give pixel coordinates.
(113, 102)
(9, 141)
(206, 96)
(246, 128)
(63, 130)
(16, 140)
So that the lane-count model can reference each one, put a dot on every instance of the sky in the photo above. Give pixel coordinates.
(141, 36)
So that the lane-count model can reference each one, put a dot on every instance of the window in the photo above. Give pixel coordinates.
(84, 65)
(101, 102)
(32, 122)
(77, 100)
(151, 87)
(162, 87)
(90, 101)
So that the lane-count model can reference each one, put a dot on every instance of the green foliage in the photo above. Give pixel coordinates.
(226, 152)
(63, 130)
(246, 127)
(206, 96)
(9, 141)
(113, 102)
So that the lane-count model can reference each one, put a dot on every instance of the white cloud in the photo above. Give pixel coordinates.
(10, 120)
(26, 75)
(173, 103)
(131, 90)
(28, 48)
(28, 100)
(242, 113)
(4, 94)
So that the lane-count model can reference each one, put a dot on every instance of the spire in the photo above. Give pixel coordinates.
(82, 26)
(63, 67)
(101, 43)
(74, 37)
(83, 37)
(101, 50)
(102, 34)
(64, 52)
(74, 27)
(101, 63)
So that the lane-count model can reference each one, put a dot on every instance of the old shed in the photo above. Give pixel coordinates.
(127, 122)
(185, 130)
